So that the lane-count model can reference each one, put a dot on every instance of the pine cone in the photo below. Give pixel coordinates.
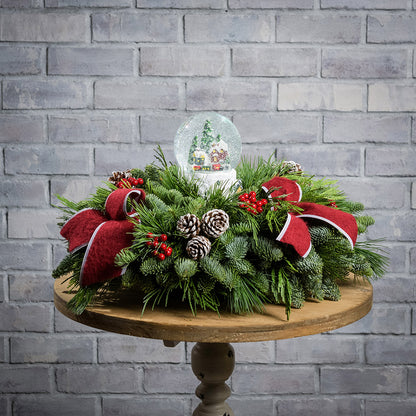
(215, 223)
(292, 167)
(198, 247)
(117, 176)
(189, 225)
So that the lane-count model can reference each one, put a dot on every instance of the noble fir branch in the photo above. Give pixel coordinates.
(267, 249)
(363, 222)
(350, 206)
(298, 294)
(331, 290)
(217, 271)
(246, 297)
(97, 200)
(320, 234)
(185, 268)
(125, 257)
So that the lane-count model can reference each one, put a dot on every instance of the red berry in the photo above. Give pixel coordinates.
(155, 253)
(264, 201)
(168, 251)
(161, 256)
(135, 182)
(155, 243)
(163, 246)
(241, 198)
(163, 237)
(156, 239)
(246, 196)
(149, 235)
(131, 180)
(259, 209)
(149, 243)
(252, 193)
(120, 185)
(141, 181)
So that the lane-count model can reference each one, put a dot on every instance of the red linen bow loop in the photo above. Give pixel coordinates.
(295, 231)
(104, 235)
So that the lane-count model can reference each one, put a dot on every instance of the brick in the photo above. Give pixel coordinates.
(319, 407)
(21, 224)
(277, 128)
(52, 406)
(368, 191)
(364, 4)
(412, 381)
(64, 324)
(170, 374)
(88, 3)
(414, 121)
(56, 93)
(254, 352)
(74, 189)
(160, 128)
(231, 95)
(102, 379)
(24, 256)
(183, 60)
(24, 193)
(405, 407)
(30, 287)
(91, 61)
(20, 60)
(363, 63)
(324, 161)
(25, 379)
(399, 227)
(413, 193)
(412, 267)
(366, 128)
(274, 62)
(362, 380)
(44, 27)
(96, 128)
(271, 4)
(2, 350)
(251, 28)
(391, 28)
(4, 406)
(138, 350)
(34, 317)
(136, 94)
(22, 3)
(18, 128)
(318, 28)
(320, 96)
(182, 4)
(132, 27)
(390, 350)
(146, 406)
(51, 349)
(108, 160)
(2, 286)
(251, 406)
(390, 161)
(389, 97)
(47, 160)
(318, 350)
(273, 380)
(395, 289)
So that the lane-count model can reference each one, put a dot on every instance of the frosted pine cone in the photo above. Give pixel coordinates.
(117, 176)
(292, 167)
(198, 247)
(189, 225)
(215, 223)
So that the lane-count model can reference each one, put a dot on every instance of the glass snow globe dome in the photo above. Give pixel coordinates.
(208, 146)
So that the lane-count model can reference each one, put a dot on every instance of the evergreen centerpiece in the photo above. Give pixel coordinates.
(281, 236)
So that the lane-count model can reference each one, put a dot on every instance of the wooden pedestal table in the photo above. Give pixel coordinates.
(213, 356)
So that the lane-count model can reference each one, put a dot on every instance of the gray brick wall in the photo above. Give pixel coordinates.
(90, 86)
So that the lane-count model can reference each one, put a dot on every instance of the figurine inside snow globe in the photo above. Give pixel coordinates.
(208, 146)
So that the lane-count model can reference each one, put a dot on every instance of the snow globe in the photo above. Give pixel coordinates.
(208, 146)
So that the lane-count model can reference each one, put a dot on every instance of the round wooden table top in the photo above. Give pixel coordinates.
(123, 316)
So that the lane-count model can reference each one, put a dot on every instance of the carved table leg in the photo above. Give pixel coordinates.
(213, 364)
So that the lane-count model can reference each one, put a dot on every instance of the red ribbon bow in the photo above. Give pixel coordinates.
(295, 231)
(104, 235)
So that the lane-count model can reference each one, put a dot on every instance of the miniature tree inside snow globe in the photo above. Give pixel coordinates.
(208, 146)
